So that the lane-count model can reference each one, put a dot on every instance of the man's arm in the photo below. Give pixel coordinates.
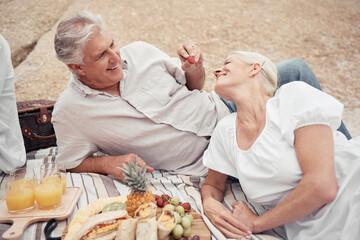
(212, 194)
(194, 71)
(108, 165)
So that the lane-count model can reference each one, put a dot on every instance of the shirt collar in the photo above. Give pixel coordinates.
(86, 90)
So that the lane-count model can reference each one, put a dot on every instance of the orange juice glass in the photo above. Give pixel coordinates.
(48, 193)
(61, 167)
(19, 193)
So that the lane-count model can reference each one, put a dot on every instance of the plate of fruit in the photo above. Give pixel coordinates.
(139, 215)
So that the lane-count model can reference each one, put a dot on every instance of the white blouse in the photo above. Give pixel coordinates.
(269, 170)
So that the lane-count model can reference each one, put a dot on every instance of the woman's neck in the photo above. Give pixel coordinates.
(251, 106)
(250, 119)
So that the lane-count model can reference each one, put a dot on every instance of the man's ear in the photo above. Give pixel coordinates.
(255, 69)
(76, 68)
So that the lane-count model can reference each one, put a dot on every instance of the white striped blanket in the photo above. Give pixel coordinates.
(94, 186)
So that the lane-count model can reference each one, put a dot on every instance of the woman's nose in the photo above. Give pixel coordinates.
(216, 72)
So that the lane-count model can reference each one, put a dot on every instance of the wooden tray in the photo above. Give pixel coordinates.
(198, 227)
(21, 221)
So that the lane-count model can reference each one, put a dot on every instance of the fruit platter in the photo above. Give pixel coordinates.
(138, 215)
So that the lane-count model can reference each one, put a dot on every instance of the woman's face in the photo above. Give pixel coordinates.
(232, 74)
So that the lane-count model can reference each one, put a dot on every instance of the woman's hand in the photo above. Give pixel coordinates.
(224, 220)
(244, 214)
(212, 193)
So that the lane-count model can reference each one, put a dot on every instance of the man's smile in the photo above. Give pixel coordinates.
(113, 68)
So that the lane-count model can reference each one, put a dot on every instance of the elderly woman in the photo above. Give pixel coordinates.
(284, 148)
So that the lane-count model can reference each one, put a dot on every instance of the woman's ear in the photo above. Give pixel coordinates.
(76, 68)
(255, 69)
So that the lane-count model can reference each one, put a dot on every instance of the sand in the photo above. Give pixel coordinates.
(325, 33)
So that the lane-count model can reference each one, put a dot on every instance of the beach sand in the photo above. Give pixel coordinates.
(325, 33)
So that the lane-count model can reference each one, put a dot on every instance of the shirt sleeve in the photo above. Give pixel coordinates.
(172, 64)
(220, 154)
(73, 146)
(301, 104)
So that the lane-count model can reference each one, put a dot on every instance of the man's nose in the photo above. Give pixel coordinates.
(115, 55)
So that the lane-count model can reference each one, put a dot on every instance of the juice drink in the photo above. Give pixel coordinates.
(51, 166)
(48, 194)
(19, 196)
(63, 182)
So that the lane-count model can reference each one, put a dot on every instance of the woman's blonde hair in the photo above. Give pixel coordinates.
(268, 69)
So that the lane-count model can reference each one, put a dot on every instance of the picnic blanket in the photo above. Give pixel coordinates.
(95, 186)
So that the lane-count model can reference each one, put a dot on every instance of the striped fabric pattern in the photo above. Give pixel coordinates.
(94, 186)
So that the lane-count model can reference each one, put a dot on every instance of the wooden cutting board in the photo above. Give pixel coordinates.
(21, 221)
(198, 227)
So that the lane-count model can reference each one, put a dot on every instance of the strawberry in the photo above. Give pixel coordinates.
(156, 197)
(191, 59)
(165, 203)
(186, 206)
(159, 202)
(165, 197)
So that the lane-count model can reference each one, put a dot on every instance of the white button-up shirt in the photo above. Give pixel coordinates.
(12, 149)
(156, 117)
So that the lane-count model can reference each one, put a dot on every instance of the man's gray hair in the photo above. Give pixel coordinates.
(73, 33)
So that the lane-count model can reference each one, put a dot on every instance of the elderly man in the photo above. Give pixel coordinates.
(136, 101)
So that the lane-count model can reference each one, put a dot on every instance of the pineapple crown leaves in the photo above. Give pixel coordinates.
(134, 176)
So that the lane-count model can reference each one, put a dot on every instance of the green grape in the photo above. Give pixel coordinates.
(187, 232)
(177, 217)
(185, 222)
(169, 207)
(174, 201)
(180, 210)
(178, 231)
(190, 217)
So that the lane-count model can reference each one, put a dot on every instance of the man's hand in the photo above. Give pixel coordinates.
(117, 162)
(187, 50)
(109, 165)
(224, 220)
(192, 63)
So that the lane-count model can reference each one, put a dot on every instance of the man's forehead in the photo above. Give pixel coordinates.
(98, 43)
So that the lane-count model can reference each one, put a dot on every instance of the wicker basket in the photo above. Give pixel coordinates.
(35, 123)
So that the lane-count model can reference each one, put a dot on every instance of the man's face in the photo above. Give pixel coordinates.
(102, 69)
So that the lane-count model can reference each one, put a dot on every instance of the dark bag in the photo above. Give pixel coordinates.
(35, 123)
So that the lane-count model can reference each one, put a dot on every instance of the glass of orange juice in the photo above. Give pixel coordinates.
(48, 193)
(19, 194)
(62, 169)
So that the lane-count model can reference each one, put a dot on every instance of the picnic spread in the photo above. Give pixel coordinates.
(84, 189)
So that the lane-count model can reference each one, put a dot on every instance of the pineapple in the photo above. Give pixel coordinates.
(136, 180)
